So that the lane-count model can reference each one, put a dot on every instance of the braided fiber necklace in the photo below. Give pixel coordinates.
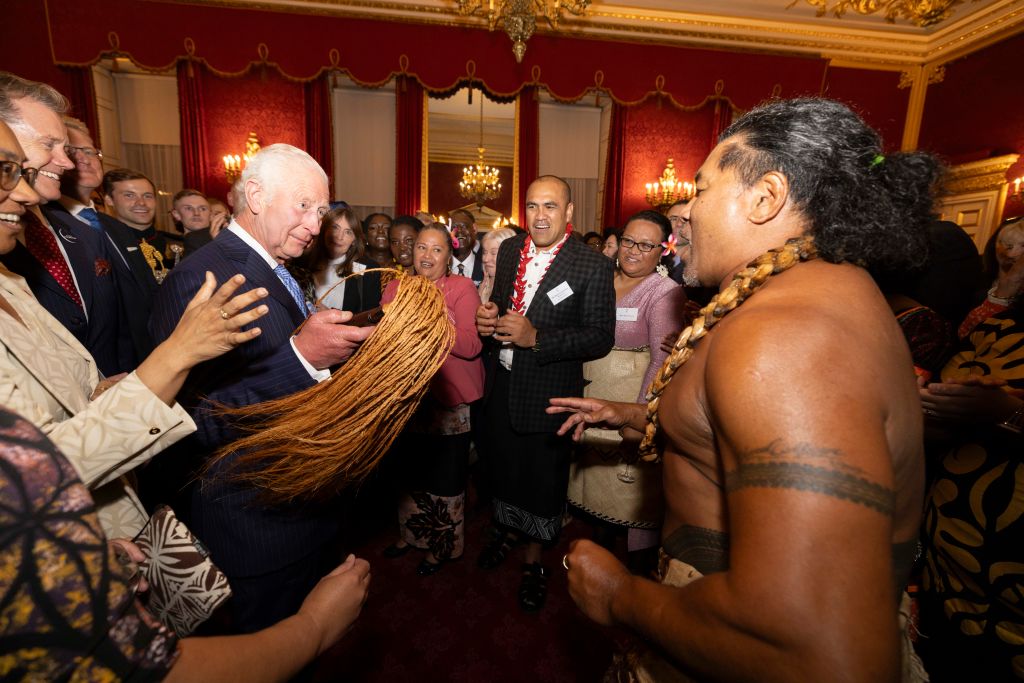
(743, 285)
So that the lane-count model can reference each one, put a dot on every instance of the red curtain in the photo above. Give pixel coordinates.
(156, 33)
(408, 144)
(193, 132)
(319, 140)
(83, 99)
(616, 167)
(720, 120)
(528, 134)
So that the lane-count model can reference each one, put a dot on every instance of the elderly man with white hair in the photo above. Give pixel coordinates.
(272, 555)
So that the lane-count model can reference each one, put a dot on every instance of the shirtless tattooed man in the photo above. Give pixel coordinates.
(790, 430)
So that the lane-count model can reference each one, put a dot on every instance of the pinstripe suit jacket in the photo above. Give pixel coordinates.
(245, 537)
(577, 329)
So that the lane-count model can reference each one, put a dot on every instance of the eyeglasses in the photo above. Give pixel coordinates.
(677, 220)
(644, 247)
(87, 152)
(11, 172)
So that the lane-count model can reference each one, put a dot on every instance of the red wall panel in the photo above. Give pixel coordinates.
(977, 111)
(655, 131)
(876, 96)
(261, 101)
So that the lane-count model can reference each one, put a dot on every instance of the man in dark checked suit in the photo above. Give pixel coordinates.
(272, 555)
(553, 307)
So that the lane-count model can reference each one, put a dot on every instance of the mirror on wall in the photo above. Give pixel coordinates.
(453, 136)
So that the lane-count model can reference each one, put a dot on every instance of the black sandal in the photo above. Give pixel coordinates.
(495, 552)
(533, 589)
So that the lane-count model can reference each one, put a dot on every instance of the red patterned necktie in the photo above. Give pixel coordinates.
(41, 243)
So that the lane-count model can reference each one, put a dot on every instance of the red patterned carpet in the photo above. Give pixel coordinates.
(463, 624)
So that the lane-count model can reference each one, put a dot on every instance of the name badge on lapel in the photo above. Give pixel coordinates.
(560, 293)
(627, 315)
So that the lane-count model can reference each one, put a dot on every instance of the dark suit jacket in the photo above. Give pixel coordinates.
(101, 331)
(577, 329)
(136, 285)
(363, 293)
(477, 276)
(245, 537)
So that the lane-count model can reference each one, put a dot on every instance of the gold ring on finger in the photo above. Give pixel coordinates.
(224, 314)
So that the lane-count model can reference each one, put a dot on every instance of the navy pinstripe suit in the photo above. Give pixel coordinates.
(245, 537)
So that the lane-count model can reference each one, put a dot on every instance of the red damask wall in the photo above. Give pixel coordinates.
(876, 96)
(444, 189)
(261, 101)
(655, 131)
(977, 111)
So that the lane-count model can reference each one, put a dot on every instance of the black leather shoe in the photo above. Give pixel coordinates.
(394, 550)
(428, 568)
(495, 552)
(533, 589)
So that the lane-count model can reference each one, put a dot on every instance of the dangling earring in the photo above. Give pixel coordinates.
(616, 263)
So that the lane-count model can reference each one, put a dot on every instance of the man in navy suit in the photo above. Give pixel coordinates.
(552, 308)
(63, 261)
(136, 285)
(272, 555)
(466, 259)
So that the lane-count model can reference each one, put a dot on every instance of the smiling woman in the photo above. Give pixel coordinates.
(434, 449)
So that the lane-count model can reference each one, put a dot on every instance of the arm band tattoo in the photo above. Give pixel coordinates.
(773, 466)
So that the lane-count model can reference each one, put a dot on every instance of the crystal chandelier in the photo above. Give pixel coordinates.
(921, 12)
(480, 182)
(519, 17)
(667, 190)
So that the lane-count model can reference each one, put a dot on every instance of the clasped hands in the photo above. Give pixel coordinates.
(967, 400)
(511, 327)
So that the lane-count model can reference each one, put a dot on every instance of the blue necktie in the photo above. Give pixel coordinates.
(91, 217)
(293, 288)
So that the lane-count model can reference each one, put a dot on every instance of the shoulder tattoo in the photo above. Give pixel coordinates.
(808, 467)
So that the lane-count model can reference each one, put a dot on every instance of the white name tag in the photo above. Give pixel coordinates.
(560, 293)
(628, 315)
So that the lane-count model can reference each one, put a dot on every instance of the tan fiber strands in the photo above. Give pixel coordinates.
(743, 285)
(312, 443)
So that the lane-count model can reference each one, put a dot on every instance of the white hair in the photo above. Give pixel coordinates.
(271, 168)
(499, 235)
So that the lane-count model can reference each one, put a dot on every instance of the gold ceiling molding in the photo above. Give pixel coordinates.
(887, 47)
(921, 13)
(935, 75)
(979, 176)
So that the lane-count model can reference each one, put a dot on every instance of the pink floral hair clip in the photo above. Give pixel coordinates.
(669, 245)
(451, 231)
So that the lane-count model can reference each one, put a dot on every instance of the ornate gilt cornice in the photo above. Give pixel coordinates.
(980, 176)
(886, 47)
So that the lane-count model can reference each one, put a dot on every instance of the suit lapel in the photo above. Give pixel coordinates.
(259, 273)
(75, 245)
(556, 275)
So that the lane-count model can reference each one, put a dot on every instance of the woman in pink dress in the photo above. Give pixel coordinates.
(606, 481)
(433, 452)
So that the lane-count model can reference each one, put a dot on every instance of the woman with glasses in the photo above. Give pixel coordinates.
(605, 481)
